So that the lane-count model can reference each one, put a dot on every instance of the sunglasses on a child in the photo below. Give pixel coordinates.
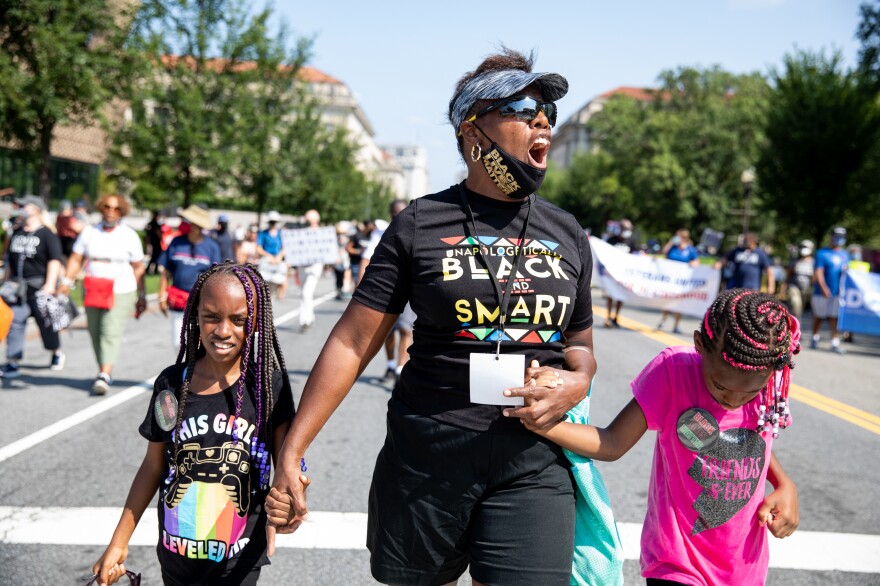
(133, 579)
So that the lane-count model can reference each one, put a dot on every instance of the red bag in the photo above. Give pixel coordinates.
(177, 298)
(98, 293)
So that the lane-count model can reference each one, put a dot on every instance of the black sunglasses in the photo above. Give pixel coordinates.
(134, 579)
(520, 107)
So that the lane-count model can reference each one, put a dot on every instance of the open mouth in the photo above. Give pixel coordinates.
(222, 346)
(538, 152)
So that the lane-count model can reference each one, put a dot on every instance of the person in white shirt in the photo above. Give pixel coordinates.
(112, 258)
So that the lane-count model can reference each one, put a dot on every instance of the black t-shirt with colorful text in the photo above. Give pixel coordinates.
(430, 257)
(211, 514)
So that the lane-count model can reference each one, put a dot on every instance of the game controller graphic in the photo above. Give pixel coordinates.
(211, 465)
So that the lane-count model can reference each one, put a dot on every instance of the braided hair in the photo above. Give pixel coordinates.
(754, 331)
(260, 357)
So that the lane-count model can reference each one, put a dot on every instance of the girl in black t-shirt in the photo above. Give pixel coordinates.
(214, 419)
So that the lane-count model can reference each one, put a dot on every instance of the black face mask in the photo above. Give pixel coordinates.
(515, 179)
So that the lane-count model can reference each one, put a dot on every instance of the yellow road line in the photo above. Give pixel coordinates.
(848, 413)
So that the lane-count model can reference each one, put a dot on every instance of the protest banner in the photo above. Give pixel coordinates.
(860, 303)
(643, 280)
(307, 246)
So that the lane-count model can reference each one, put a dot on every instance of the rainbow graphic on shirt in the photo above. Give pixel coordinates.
(206, 506)
(204, 524)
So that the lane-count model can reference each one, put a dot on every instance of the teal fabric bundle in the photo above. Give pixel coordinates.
(598, 555)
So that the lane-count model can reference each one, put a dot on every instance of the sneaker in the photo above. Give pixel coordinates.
(838, 350)
(676, 330)
(814, 343)
(614, 323)
(102, 384)
(57, 361)
(10, 371)
(390, 375)
(659, 326)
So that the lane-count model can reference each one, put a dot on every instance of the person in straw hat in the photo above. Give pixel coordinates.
(186, 257)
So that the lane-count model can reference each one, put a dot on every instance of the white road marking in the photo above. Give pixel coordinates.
(805, 550)
(89, 412)
(110, 402)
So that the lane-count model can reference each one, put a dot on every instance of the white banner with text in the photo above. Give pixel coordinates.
(643, 280)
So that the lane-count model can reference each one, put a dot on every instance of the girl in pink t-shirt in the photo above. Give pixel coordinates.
(716, 409)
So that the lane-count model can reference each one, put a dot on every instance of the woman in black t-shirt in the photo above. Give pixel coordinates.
(33, 266)
(495, 276)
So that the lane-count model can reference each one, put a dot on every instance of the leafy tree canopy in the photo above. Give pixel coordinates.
(225, 118)
(61, 61)
(823, 131)
(682, 153)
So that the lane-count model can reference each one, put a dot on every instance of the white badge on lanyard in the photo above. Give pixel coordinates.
(491, 373)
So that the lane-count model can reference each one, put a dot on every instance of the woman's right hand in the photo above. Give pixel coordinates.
(163, 306)
(110, 567)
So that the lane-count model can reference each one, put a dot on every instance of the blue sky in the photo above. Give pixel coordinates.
(402, 58)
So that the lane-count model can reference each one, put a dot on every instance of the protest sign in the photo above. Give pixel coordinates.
(307, 246)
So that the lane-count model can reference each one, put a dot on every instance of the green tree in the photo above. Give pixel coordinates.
(182, 106)
(61, 62)
(681, 154)
(224, 117)
(271, 109)
(867, 180)
(823, 126)
(868, 32)
(326, 178)
(590, 189)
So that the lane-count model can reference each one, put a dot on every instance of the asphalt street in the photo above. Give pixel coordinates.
(67, 459)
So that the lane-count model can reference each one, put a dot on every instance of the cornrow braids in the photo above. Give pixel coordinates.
(261, 357)
(754, 331)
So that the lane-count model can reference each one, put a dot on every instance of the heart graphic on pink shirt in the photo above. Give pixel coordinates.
(729, 473)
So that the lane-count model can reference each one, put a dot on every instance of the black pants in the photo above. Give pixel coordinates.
(443, 497)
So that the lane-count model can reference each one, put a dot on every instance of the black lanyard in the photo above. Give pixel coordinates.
(503, 300)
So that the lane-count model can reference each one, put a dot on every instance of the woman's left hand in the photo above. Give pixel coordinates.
(547, 405)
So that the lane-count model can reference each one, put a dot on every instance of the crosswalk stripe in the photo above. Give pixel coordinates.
(805, 550)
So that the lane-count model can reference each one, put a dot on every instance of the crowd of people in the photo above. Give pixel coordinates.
(809, 281)
(46, 260)
(487, 465)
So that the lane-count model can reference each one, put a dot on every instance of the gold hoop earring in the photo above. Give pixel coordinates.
(479, 154)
